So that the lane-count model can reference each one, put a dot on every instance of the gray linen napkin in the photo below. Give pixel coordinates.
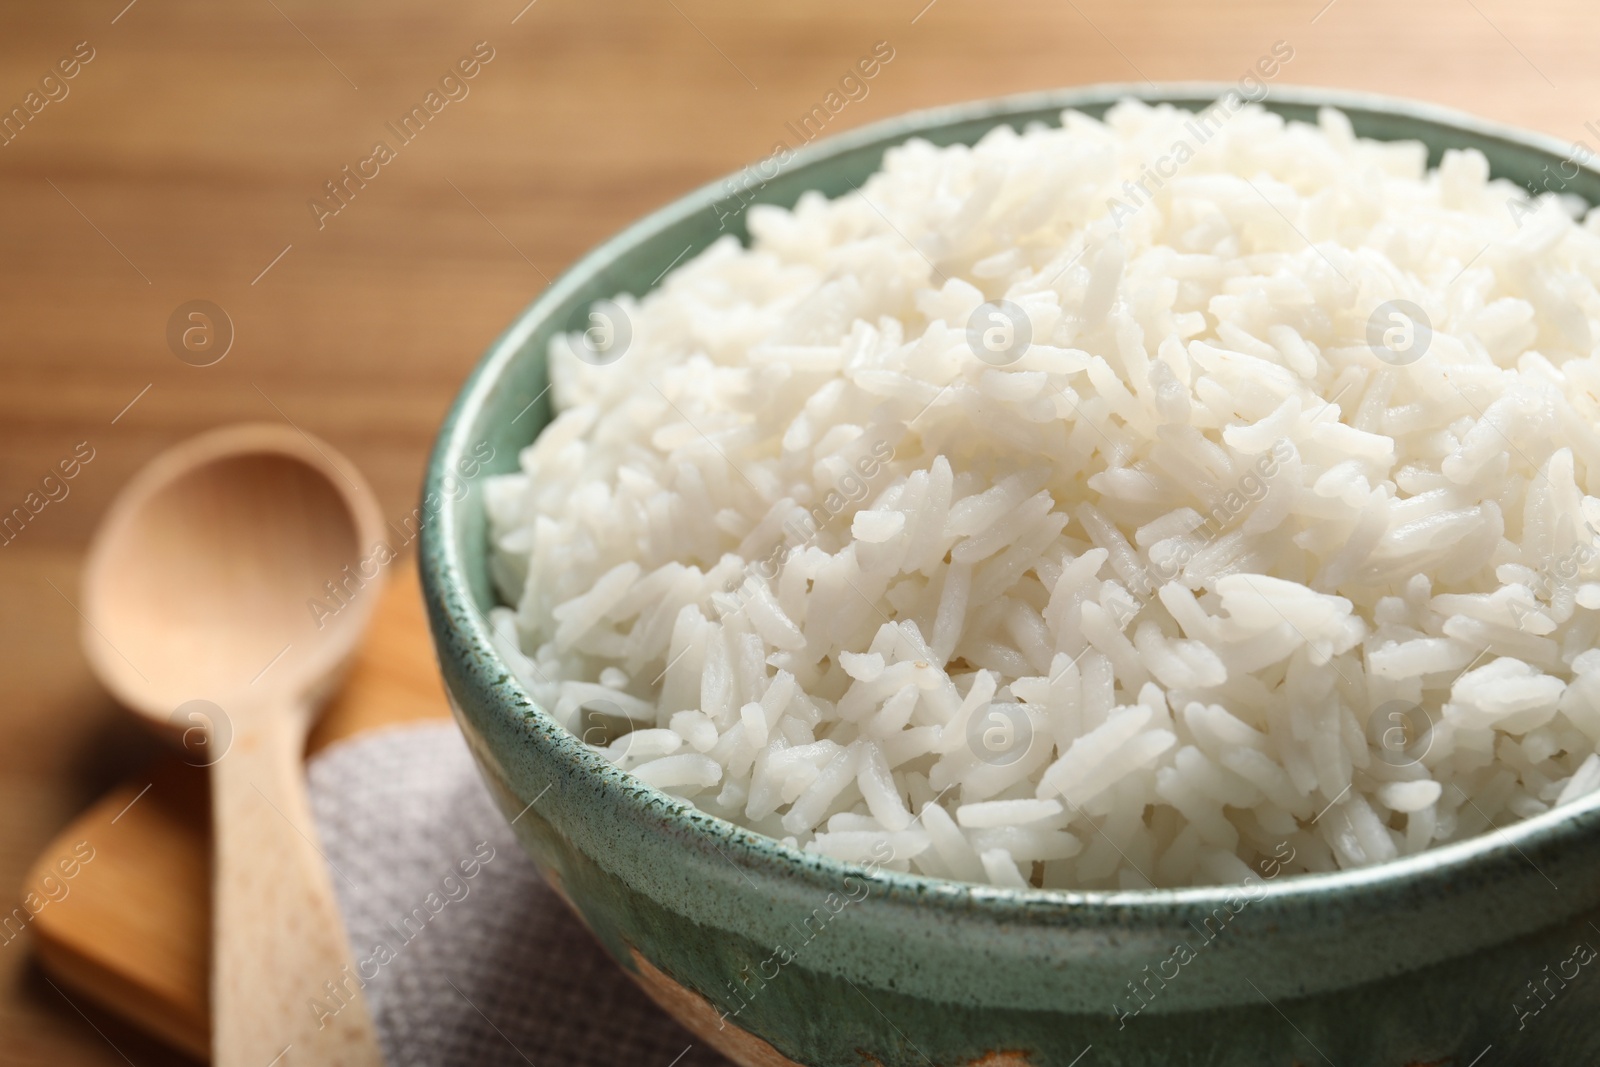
(477, 961)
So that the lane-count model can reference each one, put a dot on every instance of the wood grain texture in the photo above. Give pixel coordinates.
(198, 584)
(133, 932)
(192, 141)
(276, 932)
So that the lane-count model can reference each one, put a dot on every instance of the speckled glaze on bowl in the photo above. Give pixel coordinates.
(779, 957)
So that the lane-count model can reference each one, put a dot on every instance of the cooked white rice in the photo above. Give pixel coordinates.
(1195, 583)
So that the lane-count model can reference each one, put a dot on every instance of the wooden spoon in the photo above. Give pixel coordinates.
(224, 592)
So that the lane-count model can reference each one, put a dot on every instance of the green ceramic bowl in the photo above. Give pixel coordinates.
(1473, 955)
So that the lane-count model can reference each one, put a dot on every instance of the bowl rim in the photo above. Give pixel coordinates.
(1495, 851)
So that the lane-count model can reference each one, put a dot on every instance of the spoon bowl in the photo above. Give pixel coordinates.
(230, 566)
(224, 593)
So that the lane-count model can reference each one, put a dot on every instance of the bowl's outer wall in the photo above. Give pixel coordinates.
(828, 963)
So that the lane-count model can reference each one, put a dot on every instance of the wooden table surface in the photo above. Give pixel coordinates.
(179, 164)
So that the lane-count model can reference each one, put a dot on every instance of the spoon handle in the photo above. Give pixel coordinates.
(284, 987)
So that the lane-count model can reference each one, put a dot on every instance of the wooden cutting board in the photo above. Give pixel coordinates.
(132, 931)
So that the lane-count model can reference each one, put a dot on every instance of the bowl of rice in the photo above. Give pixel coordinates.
(1106, 576)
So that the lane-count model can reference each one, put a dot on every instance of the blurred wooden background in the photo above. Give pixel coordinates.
(180, 163)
